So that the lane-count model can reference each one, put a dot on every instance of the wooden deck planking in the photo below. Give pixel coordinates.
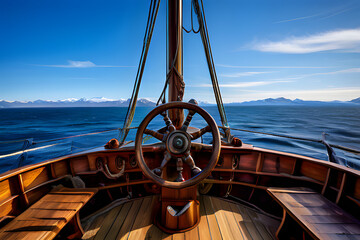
(119, 221)
(211, 217)
(143, 220)
(204, 232)
(317, 215)
(240, 221)
(260, 227)
(94, 227)
(250, 226)
(192, 234)
(220, 219)
(229, 229)
(128, 224)
(108, 222)
(45, 218)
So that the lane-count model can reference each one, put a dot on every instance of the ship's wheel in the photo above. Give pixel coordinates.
(178, 144)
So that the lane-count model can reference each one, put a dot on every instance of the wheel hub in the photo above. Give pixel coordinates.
(178, 143)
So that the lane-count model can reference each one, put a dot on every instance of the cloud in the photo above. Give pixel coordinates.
(242, 74)
(347, 40)
(349, 70)
(236, 66)
(81, 64)
(298, 18)
(244, 84)
(322, 15)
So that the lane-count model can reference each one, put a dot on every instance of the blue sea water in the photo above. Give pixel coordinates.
(42, 126)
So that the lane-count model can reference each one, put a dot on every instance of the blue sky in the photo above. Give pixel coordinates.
(55, 50)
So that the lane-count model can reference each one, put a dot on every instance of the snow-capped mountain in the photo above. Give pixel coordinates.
(73, 102)
(143, 102)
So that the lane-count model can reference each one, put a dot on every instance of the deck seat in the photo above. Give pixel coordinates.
(45, 218)
(318, 216)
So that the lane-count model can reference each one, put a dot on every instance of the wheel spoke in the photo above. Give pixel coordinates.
(168, 122)
(177, 145)
(155, 134)
(166, 159)
(188, 120)
(190, 161)
(196, 135)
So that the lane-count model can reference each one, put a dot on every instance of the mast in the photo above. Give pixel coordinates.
(174, 59)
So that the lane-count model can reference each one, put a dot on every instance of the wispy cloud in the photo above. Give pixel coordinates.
(243, 84)
(242, 74)
(344, 71)
(81, 64)
(298, 18)
(347, 40)
(321, 15)
(285, 67)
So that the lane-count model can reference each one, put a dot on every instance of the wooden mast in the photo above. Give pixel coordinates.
(174, 58)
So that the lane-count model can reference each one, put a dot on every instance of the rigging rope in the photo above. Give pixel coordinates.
(299, 138)
(154, 7)
(192, 22)
(351, 150)
(200, 12)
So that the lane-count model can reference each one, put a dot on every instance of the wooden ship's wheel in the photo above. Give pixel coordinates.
(178, 214)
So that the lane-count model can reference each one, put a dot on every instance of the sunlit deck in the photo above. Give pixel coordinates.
(220, 219)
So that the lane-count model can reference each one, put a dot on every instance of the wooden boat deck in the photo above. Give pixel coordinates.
(220, 219)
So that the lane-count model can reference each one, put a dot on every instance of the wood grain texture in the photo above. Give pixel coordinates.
(60, 168)
(318, 216)
(4, 190)
(35, 177)
(48, 216)
(220, 219)
(80, 164)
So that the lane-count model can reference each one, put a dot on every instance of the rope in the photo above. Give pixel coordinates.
(27, 150)
(351, 150)
(192, 22)
(15, 141)
(153, 10)
(74, 136)
(277, 135)
(355, 151)
(208, 52)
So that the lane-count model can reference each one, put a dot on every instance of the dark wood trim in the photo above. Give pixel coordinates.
(353, 199)
(282, 175)
(281, 224)
(13, 197)
(45, 183)
(52, 170)
(326, 183)
(22, 195)
(233, 182)
(341, 190)
(260, 162)
(125, 184)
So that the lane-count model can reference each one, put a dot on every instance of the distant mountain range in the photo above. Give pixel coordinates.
(104, 102)
(72, 102)
(285, 101)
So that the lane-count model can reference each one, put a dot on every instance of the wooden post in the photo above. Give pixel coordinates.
(174, 59)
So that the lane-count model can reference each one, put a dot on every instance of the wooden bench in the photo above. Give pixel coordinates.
(45, 218)
(319, 217)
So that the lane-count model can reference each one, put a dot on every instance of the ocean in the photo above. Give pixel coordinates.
(41, 131)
